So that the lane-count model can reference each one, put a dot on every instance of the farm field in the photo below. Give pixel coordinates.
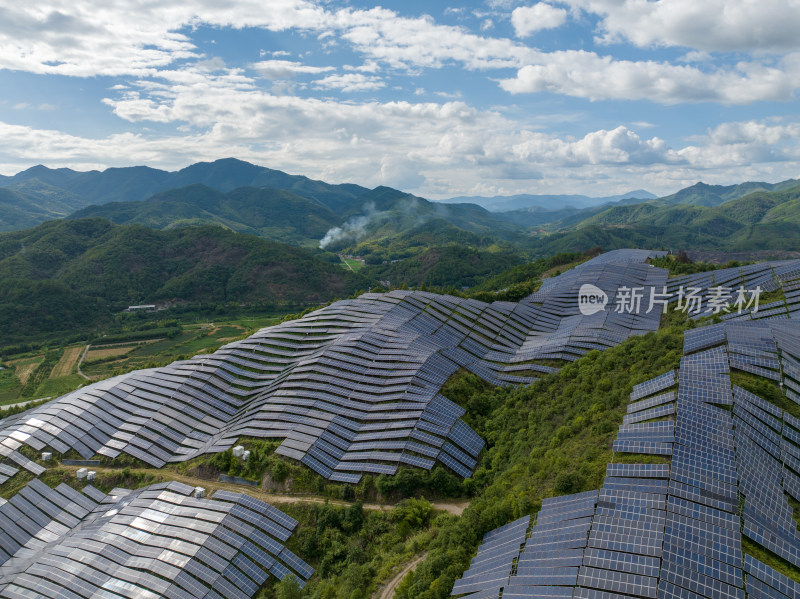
(58, 369)
(67, 362)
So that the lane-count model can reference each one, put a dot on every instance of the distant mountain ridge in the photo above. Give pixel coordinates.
(762, 220)
(546, 201)
(702, 194)
(76, 190)
(285, 216)
(381, 224)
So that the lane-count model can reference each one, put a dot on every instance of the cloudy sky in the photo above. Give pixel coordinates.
(440, 99)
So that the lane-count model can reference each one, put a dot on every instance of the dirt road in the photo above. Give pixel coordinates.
(211, 486)
(387, 591)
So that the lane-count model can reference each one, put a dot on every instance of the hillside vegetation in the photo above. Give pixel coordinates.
(381, 224)
(67, 190)
(449, 266)
(67, 275)
(273, 214)
(763, 220)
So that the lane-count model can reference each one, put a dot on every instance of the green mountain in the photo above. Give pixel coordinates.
(394, 220)
(269, 213)
(763, 220)
(449, 266)
(546, 202)
(68, 190)
(65, 275)
(701, 194)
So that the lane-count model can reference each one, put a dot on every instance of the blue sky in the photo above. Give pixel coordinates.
(490, 97)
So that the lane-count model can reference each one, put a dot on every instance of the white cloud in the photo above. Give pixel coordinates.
(529, 19)
(286, 69)
(403, 42)
(696, 56)
(587, 75)
(710, 25)
(350, 82)
(443, 149)
(94, 37)
(619, 146)
(369, 66)
(227, 114)
(744, 143)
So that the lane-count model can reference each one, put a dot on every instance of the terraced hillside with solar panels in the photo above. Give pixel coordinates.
(696, 523)
(512, 399)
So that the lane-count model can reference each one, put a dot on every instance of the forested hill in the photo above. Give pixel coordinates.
(274, 214)
(42, 193)
(65, 275)
(382, 216)
(763, 220)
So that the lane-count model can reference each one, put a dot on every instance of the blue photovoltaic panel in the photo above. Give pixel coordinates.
(673, 530)
(193, 544)
(343, 376)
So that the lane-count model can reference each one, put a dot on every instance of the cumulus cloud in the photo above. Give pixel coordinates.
(350, 82)
(588, 75)
(446, 150)
(208, 109)
(93, 37)
(617, 146)
(710, 25)
(529, 19)
(745, 143)
(286, 69)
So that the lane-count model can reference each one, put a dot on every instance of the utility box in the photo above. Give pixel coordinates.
(246, 455)
(199, 492)
(91, 475)
(81, 473)
(47, 456)
(238, 451)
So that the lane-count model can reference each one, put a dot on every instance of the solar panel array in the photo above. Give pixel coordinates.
(352, 388)
(767, 276)
(158, 541)
(674, 529)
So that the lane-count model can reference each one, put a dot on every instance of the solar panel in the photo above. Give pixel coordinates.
(158, 539)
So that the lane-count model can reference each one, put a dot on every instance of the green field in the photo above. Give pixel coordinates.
(41, 373)
(352, 264)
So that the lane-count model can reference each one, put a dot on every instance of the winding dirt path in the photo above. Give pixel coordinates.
(211, 486)
(387, 592)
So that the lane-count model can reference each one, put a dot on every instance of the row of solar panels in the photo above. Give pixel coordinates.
(158, 541)
(339, 380)
(664, 530)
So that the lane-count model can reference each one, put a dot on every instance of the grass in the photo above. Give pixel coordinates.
(9, 385)
(352, 264)
(66, 364)
(105, 360)
(100, 353)
(769, 558)
(26, 367)
(60, 385)
(766, 389)
(561, 269)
